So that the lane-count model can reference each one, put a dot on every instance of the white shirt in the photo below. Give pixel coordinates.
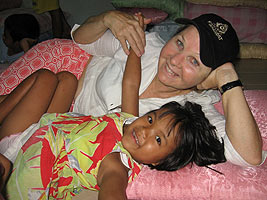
(101, 91)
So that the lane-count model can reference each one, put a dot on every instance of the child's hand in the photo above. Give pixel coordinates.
(5, 167)
(27, 43)
(142, 20)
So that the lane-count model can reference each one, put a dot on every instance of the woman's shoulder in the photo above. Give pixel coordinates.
(154, 38)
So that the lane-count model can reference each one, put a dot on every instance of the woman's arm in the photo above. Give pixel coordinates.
(241, 126)
(125, 27)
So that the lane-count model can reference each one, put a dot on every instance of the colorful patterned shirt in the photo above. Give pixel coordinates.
(64, 154)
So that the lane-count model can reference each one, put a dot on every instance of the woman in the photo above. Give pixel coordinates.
(197, 57)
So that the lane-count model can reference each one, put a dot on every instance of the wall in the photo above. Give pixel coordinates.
(80, 10)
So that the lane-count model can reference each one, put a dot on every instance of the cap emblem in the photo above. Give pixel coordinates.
(218, 28)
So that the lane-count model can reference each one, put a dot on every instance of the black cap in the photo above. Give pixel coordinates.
(218, 40)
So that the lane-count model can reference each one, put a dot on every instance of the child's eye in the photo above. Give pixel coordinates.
(158, 140)
(149, 119)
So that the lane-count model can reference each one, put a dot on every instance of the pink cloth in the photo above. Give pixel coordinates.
(249, 23)
(56, 55)
(200, 183)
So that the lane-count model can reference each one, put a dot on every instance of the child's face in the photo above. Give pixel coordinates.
(148, 138)
(7, 39)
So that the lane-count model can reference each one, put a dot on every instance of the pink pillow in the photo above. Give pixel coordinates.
(56, 55)
(236, 183)
(156, 15)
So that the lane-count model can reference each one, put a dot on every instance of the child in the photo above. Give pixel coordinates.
(21, 32)
(68, 152)
(60, 26)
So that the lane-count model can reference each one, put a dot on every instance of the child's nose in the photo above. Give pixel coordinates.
(147, 132)
(143, 132)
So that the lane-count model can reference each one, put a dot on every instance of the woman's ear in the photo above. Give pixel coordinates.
(154, 164)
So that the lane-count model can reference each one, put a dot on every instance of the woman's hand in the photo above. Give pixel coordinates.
(218, 77)
(126, 27)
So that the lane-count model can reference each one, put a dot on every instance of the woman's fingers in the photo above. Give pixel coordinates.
(218, 77)
(126, 27)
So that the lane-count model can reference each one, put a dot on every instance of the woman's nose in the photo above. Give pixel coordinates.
(176, 60)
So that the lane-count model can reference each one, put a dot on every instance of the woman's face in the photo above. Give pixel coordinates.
(179, 64)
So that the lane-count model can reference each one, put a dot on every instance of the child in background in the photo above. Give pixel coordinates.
(21, 32)
(68, 152)
(60, 26)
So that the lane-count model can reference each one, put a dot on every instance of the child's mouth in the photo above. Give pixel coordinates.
(135, 137)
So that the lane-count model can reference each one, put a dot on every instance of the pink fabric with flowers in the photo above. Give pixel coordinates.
(200, 183)
(56, 55)
(249, 23)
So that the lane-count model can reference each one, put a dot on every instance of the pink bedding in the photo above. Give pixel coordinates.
(56, 55)
(200, 183)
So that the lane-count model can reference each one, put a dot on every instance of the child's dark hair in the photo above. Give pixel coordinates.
(196, 138)
(22, 26)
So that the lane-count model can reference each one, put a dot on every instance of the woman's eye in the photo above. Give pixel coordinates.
(158, 140)
(194, 62)
(149, 119)
(180, 45)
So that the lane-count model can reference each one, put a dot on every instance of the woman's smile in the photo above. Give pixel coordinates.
(169, 71)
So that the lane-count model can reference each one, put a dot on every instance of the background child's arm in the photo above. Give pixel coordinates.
(131, 80)
(112, 178)
(27, 43)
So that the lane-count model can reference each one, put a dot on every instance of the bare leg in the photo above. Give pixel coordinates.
(42, 92)
(64, 94)
(2, 97)
(27, 103)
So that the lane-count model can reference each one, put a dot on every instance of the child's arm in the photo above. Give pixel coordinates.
(131, 81)
(130, 84)
(27, 43)
(112, 178)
